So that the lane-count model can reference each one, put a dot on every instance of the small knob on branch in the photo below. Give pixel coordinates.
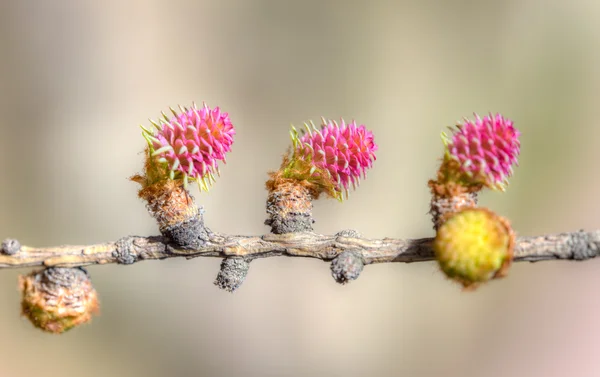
(347, 267)
(10, 246)
(232, 274)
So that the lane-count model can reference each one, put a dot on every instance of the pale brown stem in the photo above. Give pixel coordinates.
(573, 246)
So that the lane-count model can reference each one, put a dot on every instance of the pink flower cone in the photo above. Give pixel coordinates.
(342, 153)
(191, 142)
(486, 150)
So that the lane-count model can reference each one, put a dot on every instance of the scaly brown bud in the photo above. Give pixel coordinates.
(57, 299)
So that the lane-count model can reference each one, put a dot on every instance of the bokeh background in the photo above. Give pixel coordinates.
(78, 77)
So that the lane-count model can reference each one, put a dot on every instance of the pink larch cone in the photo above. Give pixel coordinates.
(479, 153)
(328, 159)
(191, 143)
(486, 150)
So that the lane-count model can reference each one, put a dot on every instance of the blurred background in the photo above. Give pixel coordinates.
(78, 77)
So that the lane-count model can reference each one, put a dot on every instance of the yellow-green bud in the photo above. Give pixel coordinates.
(474, 246)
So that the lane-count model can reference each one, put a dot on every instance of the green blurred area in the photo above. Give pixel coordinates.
(78, 77)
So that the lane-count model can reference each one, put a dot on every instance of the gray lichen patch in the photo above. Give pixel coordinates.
(232, 274)
(349, 233)
(54, 277)
(190, 234)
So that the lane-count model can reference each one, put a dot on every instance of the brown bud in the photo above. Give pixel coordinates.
(289, 206)
(169, 202)
(175, 211)
(57, 299)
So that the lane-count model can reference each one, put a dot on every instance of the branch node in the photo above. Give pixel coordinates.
(232, 274)
(347, 266)
(10, 246)
(125, 251)
(582, 245)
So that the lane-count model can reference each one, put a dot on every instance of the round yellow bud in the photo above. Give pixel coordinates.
(473, 246)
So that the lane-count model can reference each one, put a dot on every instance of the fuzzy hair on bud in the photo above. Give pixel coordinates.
(57, 299)
(167, 201)
(474, 246)
(333, 157)
(191, 142)
(485, 149)
(289, 207)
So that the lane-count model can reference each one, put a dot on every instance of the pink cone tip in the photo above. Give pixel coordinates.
(486, 149)
(345, 151)
(191, 142)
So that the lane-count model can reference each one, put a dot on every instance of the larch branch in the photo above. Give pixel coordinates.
(579, 245)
